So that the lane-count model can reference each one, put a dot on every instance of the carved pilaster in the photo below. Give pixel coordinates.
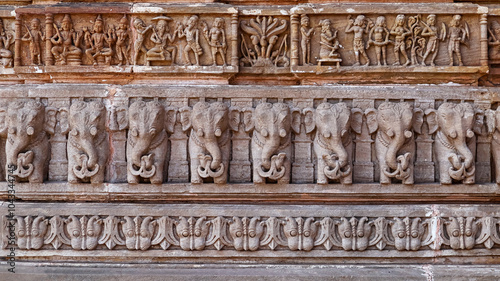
(49, 22)
(240, 166)
(483, 150)
(484, 39)
(294, 35)
(58, 165)
(234, 40)
(424, 166)
(302, 167)
(17, 44)
(362, 165)
(178, 164)
(117, 170)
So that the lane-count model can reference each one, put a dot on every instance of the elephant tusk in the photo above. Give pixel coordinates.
(333, 171)
(204, 169)
(143, 171)
(458, 174)
(24, 160)
(277, 169)
(84, 171)
(402, 171)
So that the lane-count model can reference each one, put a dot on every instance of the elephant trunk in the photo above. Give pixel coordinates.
(140, 149)
(212, 147)
(338, 148)
(395, 144)
(464, 150)
(267, 153)
(89, 148)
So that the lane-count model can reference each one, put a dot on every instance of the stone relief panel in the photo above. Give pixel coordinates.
(7, 38)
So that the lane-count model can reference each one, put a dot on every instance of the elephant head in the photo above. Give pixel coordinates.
(272, 125)
(394, 122)
(461, 232)
(333, 123)
(455, 124)
(87, 133)
(25, 123)
(209, 125)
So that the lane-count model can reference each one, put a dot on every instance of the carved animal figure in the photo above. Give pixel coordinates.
(455, 125)
(333, 141)
(26, 124)
(138, 232)
(210, 139)
(246, 233)
(88, 146)
(192, 233)
(355, 234)
(492, 118)
(271, 149)
(300, 233)
(84, 232)
(461, 232)
(31, 232)
(147, 140)
(407, 233)
(394, 144)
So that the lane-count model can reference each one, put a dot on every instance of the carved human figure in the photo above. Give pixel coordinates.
(355, 233)
(210, 139)
(458, 34)
(192, 35)
(494, 40)
(394, 143)
(88, 145)
(407, 233)
(84, 233)
(140, 34)
(66, 41)
(431, 31)
(333, 141)
(380, 41)
(455, 125)
(122, 41)
(6, 40)
(35, 37)
(492, 118)
(359, 26)
(329, 43)
(31, 232)
(161, 37)
(305, 40)
(400, 32)
(461, 232)
(147, 141)
(98, 52)
(27, 149)
(271, 149)
(216, 38)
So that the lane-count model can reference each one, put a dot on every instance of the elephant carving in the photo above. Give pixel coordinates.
(147, 141)
(26, 124)
(492, 118)
(84, 232)
(455, 125)
(31, 232)
(394, 142)
(333, 141)
(272, 126)
(210, 139)
(461, 232)
(88, 146)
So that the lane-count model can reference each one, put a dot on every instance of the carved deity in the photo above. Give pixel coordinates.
(361, 25)
(305, 40)
(161, 37)
(35, 37)
(192, 35)
(494, 40)
(431, 31)
(140, 34)
(329, 43)
(216, 38)
(400, 32)
(380, 41)
(122, 41)
(458, 34)
(98, 52)
(66, 41)
(6, 40)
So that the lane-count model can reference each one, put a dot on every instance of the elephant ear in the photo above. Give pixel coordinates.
(170, 118)
(296, 118)
(248, 119)
(490, 118)
(185, 112)
(3, 121)
(432, 123)
(50, 119)
(309, 122)
(234, 118)
(118, 118)
(478, 121)
(371, 120)
(356, 120)
(418, 120)
(64, 120)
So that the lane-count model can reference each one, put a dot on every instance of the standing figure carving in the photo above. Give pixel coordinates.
(216, 38)
(98, 53)
(35, 37)
(305, 41)
(161, 37)
(6, 40)
(122, 42)
(333, 141)
(394, 143)
(192, 35)
(380, 41)
(210, 139)
(66, 42)
(458, 34)
(27, 149)
(361, 25)
(400, 31)
(140, 34)
(492, 119)
(272, 126)
(147, 141)
(88, 146)
(494, 40)
(431, 31)
(455, 125)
